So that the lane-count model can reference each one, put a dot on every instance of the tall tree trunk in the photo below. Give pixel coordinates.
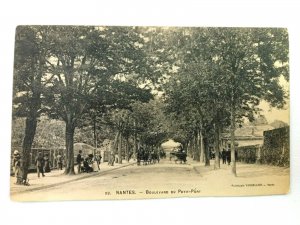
(31, 120)
(120, 149)
(95, 134)
(135, 144)
(217, 146)
(207, 155)
(30, 129)
(114, 149)
(69, 134)
(202, 150)
(188, 148)
(232, 140)
(191, 148)
(115, 144)
(127, 149)
(196, 147)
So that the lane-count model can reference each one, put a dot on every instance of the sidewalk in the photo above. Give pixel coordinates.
(56, 177)
(242, 169)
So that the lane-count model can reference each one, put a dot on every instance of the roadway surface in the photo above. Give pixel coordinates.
(162, 180)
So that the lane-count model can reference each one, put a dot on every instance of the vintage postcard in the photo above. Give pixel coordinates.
(112, 112)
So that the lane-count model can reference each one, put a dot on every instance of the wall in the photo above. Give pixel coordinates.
(276, 147)
(274, 151)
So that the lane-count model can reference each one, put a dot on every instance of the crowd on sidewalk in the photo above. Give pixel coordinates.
(89, 163)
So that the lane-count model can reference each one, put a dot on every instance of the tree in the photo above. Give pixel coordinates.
(226, 72)
(251, 62)
(93, 65)
(31, 51)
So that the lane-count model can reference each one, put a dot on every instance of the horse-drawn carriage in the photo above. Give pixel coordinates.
(179, 156)
(145, 157)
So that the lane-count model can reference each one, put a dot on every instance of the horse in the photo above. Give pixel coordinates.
(180, 156)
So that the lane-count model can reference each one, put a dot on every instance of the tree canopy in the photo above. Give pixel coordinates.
(146, 84)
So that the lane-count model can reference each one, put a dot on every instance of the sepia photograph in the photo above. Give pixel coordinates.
(149, 112)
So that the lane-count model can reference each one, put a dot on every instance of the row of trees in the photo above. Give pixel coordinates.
(205, 80)
(74, 73)
(223, 75)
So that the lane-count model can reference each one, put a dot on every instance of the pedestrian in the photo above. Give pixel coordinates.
(86, 165)
(94, 163)
(235, 155)
(59, 161)
(228, 156)
(79, 159)
(223, 155)
(47, 164)
(16, 165)
(39, 162)
(98, 158)
(64, 160)
(111, 158)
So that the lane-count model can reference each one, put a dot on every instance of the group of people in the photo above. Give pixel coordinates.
(226, 156)
(91, 163)
(148, 156)
(42, 163)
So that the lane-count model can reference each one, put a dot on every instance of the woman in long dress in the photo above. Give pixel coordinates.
(95, 164)
(47, 164)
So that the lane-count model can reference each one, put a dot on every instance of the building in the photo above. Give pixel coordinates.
(247, 135)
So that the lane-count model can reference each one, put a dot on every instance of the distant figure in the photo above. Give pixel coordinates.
(39, 162)
(92, 162)
(98, 158)
(140, 155)
(223, 155)
(79, 160)
(86, 167)
(111, 158)
(64, 160)
(228, 156)
(17, 165)
(47, 164)
(59, 161)
(129, 156)
(180, 148)
(162, 153)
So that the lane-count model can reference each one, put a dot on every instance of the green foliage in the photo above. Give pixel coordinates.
(276, 147)
(29, 70)
(150, 123)
(227, 67)
(105, 78)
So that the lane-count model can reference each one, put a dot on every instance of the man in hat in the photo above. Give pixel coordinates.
(79, 159)
(39, 162)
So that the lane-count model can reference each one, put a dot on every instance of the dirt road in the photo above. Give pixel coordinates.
(165, 180)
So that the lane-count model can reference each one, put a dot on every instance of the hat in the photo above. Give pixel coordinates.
(16, 152)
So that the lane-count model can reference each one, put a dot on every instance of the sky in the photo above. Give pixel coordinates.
(272, 114)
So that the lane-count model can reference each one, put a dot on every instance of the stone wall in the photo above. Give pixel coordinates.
(276, 147)
(274, 151)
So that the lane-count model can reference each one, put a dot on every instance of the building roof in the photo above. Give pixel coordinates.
(249, 134)
(253, 130)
